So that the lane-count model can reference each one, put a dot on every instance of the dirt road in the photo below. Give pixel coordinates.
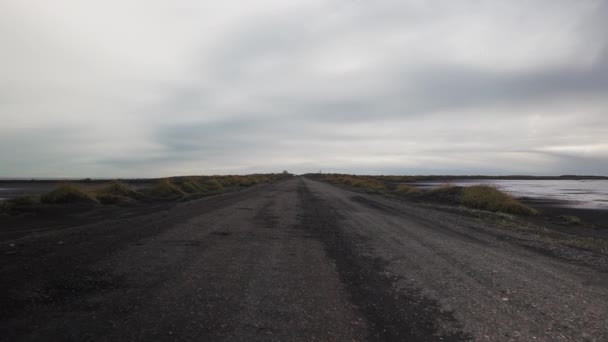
(297, 260)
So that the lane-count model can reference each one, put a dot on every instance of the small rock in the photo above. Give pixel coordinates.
(60, 243)
(505, 299)
(12, 245)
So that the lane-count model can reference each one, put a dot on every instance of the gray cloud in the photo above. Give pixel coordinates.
(187, 87)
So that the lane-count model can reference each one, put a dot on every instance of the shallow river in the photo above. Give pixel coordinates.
(591, 194)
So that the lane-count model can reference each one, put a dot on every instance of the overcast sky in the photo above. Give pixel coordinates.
(142, 88)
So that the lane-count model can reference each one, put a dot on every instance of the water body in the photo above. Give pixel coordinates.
(4, 193)
(589, 194)
(12, 190)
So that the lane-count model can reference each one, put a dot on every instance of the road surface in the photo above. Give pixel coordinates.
(297, 260)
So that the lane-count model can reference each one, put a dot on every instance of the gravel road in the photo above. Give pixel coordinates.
(297, 260)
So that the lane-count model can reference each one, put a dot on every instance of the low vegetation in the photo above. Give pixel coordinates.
(19, 204)
(191, 186)
(482, 197)
(119, 189)
(364, 183)
(27, 200)
(587, 243)
(407, 190)
(569, 220)
(165, 189)
(68, 193)
(121, 193)
(490, 198)
(213, 185)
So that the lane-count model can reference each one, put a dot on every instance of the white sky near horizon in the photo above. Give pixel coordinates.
(136, 88)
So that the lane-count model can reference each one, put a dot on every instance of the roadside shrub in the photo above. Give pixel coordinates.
(26, 200)
(407, 190)
(68, 193)
(489, 198)
(246, 181)
(368, 183)
(165, 189)
(191, 186)
(213, 185)
(358, 182)
(17, 204)
(445, 193)
(118, 189)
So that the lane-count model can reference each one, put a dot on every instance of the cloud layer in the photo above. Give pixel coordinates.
(137, 88)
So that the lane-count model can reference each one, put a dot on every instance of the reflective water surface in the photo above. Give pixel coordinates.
(592, 194)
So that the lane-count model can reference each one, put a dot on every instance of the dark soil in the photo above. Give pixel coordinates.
(297, 260)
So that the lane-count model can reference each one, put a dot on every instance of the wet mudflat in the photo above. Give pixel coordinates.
(294, 260)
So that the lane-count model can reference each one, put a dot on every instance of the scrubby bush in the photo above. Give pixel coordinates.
(191, 186)
(68, 193)
(19, 203)
(479, 196)
(357, 182)
(118, 189)
(26, 200)
(445, 193)
(407, 190)
(212, 185)
(490, 198)
(165, 189)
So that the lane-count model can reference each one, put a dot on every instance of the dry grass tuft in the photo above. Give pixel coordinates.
(191, 186)
(68, 193)
(18, 203)
(478, 197)
(26, 200)
(490, 198)
(213, 185)
(165, 189)
(117, 189)
(407, 190)
(358, 182)
(445, 193)
(569, 220)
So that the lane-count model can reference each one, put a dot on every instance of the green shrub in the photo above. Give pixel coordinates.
(358, 182)
(407, 190)
(165, 189)
(213, 185)
(68, 193)
(26, 200)
(367, 183)
(118, 189)
(489, 198)
(445, 193)
(17, 204)
(191, 186)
